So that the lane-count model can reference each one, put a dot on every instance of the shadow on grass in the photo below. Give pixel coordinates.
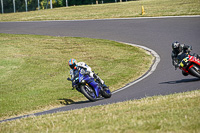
(181, 81)
(65, 101)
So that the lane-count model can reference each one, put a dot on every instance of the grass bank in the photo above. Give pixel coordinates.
(172, 113)
(113, 10)
(34, 69)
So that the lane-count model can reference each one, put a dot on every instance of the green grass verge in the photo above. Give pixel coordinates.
(113, 10)
(34, 69)
(172, 113)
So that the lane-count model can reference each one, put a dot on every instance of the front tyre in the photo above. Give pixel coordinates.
(195, 71)
(106, 92)
(88, 92)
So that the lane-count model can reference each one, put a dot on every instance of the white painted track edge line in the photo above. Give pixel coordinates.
(152, 69)
(133, 18)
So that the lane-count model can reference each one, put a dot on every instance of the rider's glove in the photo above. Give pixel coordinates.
(176, 66)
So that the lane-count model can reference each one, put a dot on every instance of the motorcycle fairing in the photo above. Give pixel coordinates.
(91, 82)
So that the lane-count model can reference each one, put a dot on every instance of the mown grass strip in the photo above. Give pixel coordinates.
(172, 113)
(34, 69)
(113, 10)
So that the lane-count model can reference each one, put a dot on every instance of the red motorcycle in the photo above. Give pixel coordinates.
(190, 65)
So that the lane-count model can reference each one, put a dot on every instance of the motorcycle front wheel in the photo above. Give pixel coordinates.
(194, 71)
(88, 92)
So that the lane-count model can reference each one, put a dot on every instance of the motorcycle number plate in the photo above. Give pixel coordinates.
(184, 62)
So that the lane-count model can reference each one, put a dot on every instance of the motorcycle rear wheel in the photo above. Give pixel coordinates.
(194, 72)
(88, 92)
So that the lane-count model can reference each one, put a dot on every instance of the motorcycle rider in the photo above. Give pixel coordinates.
(179, 52)
(76, 66)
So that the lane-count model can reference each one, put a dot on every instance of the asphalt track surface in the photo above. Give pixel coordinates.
(154, 33)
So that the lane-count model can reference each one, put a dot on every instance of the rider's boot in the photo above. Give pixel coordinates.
(98, 78)
(101, 81)
(197, 56)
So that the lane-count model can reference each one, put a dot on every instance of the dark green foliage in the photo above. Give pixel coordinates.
(44, 4)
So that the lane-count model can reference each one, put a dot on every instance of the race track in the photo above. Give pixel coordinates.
(154, 33)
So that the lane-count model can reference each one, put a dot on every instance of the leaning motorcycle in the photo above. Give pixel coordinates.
(92, 89)
(190, 65)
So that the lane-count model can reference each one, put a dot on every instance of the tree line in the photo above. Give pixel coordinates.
(8, 6)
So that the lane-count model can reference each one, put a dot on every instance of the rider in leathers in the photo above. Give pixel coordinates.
(179, 52)
(76, 66)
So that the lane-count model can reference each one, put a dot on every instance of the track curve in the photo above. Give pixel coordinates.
(154, 33)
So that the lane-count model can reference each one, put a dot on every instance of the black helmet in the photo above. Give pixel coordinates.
(175, 45)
